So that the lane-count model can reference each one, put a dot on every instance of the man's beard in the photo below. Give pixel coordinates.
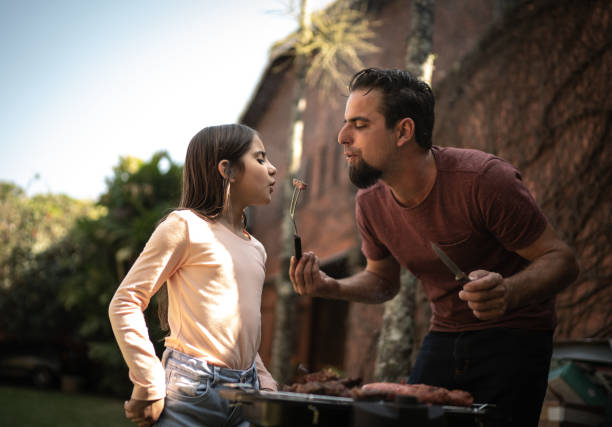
(362, 175)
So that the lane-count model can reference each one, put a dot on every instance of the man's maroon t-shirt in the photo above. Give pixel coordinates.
(479, 213)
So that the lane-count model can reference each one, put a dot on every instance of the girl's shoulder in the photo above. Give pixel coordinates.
(190, 217)
(191, 221)
(205, 229)
(185, 214)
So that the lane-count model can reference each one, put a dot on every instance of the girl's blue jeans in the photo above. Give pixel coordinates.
(191, 392)
(503, 366)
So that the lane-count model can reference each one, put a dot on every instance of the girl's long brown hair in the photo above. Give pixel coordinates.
(205, 191)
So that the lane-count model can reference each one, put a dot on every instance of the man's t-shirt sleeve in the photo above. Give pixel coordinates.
(508, 209)
(371, 247)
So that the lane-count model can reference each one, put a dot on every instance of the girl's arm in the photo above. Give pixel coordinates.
(162, 256)
(266, 382)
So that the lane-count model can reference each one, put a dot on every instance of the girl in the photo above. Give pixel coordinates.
(214, 271)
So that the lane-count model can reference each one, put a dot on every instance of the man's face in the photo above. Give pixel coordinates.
(366, 139)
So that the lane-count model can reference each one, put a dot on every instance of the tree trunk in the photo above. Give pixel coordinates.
(396, 341)
(421, 38)
(282, 344)
(394, 352)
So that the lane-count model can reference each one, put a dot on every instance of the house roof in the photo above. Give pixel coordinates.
(264, 90)
(280, 60)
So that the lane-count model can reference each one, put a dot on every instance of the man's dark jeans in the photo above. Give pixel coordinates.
(507, 367)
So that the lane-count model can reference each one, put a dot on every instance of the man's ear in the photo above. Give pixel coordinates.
(225, 169)
(405, 131)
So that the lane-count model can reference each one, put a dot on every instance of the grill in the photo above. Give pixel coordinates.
(264, 408)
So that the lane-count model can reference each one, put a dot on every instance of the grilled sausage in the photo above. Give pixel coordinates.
(422, 392)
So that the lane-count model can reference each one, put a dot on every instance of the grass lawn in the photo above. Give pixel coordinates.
(25, 407)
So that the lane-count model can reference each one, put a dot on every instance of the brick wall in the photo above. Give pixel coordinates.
(533, 89)
(537, 93)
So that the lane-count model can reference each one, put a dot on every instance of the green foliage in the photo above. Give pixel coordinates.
(67, 258)
(28, 226)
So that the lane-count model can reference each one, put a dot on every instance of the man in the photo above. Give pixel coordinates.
(492, 335)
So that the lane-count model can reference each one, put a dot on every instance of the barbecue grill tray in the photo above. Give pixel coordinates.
(268, 408)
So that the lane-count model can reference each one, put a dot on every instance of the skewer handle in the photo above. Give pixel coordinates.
(297, 246)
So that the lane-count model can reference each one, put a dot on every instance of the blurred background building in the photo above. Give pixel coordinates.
(528, 81)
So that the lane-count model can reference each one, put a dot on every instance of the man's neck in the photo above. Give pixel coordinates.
(413, 180)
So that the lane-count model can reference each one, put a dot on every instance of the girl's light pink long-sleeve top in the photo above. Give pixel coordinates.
(214, 279)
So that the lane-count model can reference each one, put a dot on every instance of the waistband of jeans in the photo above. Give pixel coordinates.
(215, 371)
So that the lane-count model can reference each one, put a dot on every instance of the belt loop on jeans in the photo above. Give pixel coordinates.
(165, 356)
(252, 372)
(215, 370)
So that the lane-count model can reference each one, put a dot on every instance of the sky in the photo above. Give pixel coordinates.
(84, 82)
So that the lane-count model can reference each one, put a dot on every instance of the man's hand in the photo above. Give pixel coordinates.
(553, 267)
(378, 283)
(486, 294)
(143, 412)
(307, 278)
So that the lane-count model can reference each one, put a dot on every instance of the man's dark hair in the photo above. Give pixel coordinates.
(403, 95)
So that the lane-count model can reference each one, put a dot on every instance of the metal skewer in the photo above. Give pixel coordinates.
(298, 186)
(294, 199)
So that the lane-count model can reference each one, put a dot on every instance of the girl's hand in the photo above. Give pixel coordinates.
(143, 412)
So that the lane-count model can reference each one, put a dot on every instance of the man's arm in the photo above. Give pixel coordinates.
(553, 267)
(378, 283)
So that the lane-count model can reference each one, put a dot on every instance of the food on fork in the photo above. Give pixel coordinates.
(299, 184)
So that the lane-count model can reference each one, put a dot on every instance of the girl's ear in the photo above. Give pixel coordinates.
(405, 131)
(225, 169)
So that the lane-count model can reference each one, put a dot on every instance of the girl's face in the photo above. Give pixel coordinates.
(255, 183)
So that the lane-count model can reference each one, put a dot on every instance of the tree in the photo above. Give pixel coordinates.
(326, 45)
(396, 341)
(66, 286)
(138, 196)
(29, 225)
